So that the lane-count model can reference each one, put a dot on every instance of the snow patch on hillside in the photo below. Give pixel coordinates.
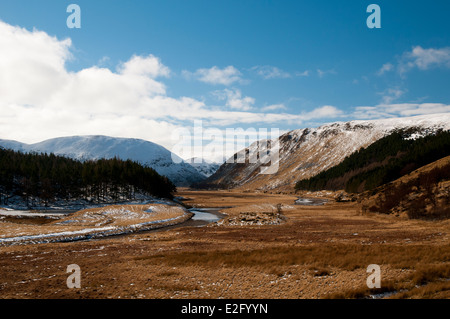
(204, 167)
(306, 152)
(103, 147)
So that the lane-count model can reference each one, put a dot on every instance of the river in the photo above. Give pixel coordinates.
(310, 201)
(204, 216)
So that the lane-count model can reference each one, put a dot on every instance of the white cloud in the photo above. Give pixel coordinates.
(274, 107)
(423, 59)
(149, 66)
(391, 94)
(385, 68)
(235, 100)
(418, 58)
(31, 64)
(103, 61)
(326, 111)
(215, 75)
(223, 118)
(401, 109)
(41, 99)
(304, 73)
(426, 58)
(270, 72)
(322, 73)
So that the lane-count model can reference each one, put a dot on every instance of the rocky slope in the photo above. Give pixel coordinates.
(306, 152)
(424, 194)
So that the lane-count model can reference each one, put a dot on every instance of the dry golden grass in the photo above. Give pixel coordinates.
(434, 290)
(427, 281)
(428, 264)
(342, 256)
(320, 252)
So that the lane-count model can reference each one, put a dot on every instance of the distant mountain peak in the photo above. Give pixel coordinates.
(203, 166)
(94, 147)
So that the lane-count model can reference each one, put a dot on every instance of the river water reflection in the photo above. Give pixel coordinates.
(311, 201)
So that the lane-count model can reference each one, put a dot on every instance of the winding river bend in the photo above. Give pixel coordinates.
(201, 217)
(206, 215)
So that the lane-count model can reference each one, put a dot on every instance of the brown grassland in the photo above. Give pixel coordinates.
(318, 252)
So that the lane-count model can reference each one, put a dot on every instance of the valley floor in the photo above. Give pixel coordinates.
(266, 247)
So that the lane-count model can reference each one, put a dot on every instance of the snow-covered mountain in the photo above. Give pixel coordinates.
(204, 167)
(97, 147)
(306, 152)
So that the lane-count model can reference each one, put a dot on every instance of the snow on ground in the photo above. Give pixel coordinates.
(95, 223)
(97, 147)
(29, 214)
(19, 204)
(306, 152)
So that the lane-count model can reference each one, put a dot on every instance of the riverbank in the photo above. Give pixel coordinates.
(90, 223)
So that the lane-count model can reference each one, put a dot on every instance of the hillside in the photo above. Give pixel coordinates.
(40, 180)
(307, 152)
(98, 147)
(423, 193)
(384, 161)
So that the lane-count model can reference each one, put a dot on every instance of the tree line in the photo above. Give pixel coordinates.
(385, 160)
(47, 177)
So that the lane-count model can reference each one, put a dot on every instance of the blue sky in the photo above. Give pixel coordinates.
(311, 61)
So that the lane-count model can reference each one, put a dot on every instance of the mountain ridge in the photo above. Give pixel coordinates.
(306, 152)
(94, 147)
(203, 166)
